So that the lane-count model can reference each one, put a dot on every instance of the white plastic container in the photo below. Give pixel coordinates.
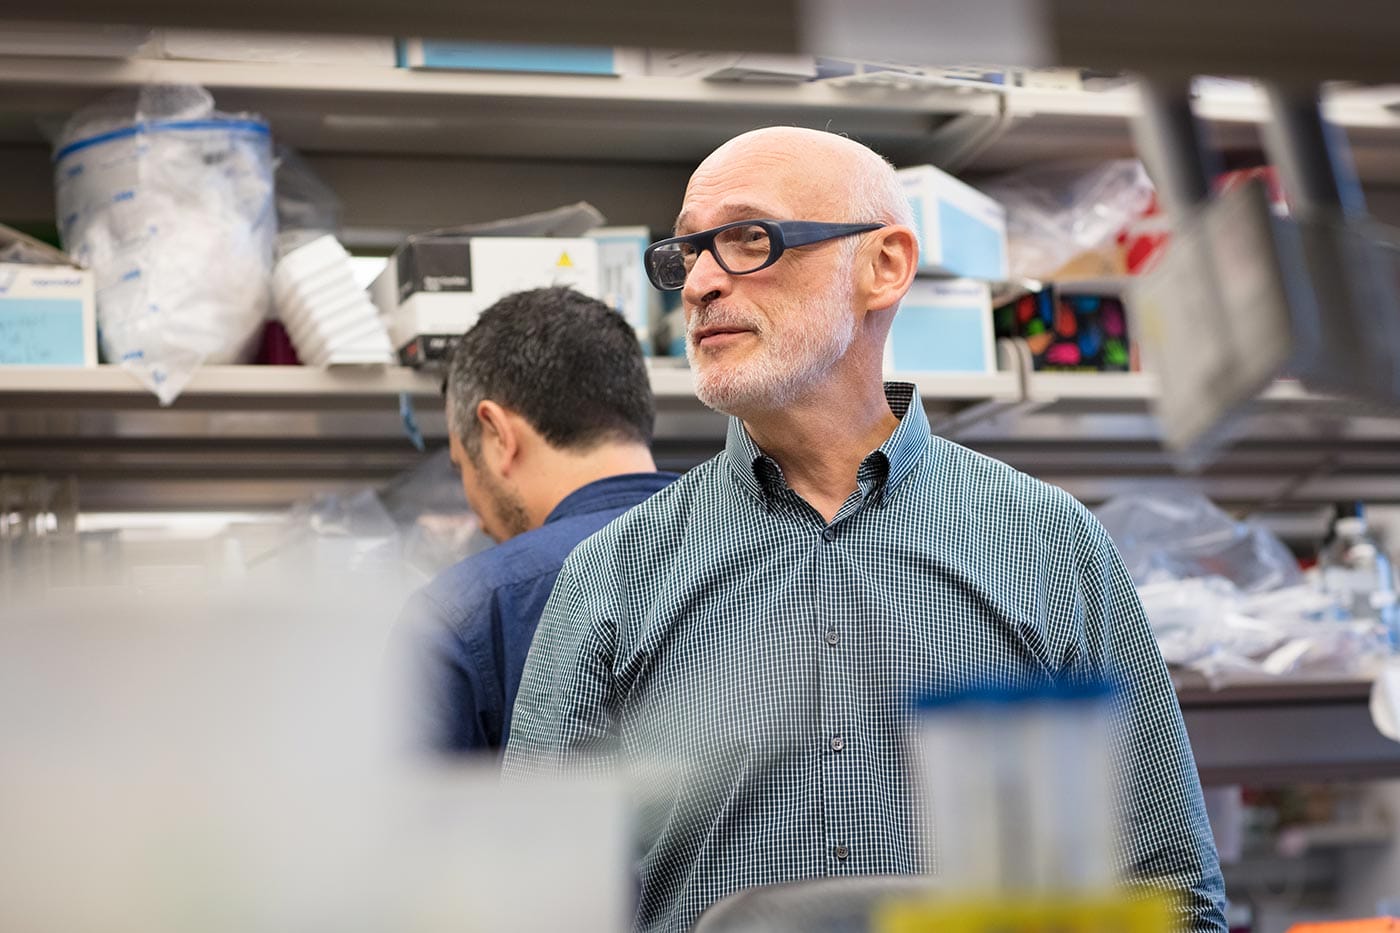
(329, 318)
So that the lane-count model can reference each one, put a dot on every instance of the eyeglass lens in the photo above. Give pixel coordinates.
(739, 250)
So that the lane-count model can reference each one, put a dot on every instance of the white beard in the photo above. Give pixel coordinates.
(787, 363)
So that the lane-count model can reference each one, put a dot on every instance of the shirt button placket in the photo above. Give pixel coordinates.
(834, 687)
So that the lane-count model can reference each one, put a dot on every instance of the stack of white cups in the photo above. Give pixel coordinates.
(329, 318)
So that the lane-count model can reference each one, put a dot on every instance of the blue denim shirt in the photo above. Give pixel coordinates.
(466, 634)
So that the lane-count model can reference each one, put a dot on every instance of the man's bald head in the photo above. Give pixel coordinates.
(816, 317)
(849, 177)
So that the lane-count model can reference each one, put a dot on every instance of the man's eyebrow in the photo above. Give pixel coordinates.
(730, 212)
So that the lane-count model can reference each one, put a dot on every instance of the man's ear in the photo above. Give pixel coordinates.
(500, 437)
(893, 262)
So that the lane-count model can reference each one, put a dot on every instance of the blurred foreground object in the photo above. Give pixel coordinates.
(1243, 296)
(211, 759)
(1375, 925)
(1025, 801)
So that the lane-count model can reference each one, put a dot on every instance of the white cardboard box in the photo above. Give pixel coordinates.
(961, 231)
(287, 47)
(435, 286)
(623, 280)
(730, 66)
(943, 326)
(48, 309)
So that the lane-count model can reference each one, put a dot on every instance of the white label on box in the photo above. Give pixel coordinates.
(501, 265)
(622, 278)
(961, 231)
(943, 325)
(47, 316)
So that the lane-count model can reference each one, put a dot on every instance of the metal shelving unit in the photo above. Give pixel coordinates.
(1093, 434)
(1284, 730)
(383, 136)
(263, 436)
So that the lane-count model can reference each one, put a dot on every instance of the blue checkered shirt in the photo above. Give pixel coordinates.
(752, 665)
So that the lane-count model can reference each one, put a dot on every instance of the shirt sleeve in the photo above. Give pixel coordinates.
(1167, 840)
(565, 718)
(446, 700)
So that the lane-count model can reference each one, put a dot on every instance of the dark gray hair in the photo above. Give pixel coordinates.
(568, 364)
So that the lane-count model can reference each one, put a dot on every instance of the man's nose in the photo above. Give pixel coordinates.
(706, 281)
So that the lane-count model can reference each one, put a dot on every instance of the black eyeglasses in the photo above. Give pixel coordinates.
(740, 248)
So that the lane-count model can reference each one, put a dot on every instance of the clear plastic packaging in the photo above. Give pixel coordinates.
(1057, 211)
(1226, 597)
(170, 203)
(307, 208)
(1187, 536)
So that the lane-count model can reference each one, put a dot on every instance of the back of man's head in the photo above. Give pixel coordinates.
(566, 363)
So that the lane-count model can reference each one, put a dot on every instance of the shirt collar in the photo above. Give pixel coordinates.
(611, 492)
(879, 473)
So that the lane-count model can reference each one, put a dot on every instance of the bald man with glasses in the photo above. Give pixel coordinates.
(744, 646)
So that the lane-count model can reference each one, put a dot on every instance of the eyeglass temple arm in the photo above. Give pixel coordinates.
(803, 233)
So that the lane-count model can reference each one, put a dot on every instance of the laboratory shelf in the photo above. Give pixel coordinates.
(264, 436)
(386, 110)
(233, 387)
(640, 118)
(1301, 39)
(1284, 730)
(228, 387)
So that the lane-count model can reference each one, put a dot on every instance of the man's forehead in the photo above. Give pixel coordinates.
(744, 190)
(697, 216)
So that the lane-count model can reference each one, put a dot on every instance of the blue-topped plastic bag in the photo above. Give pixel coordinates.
(170, 203)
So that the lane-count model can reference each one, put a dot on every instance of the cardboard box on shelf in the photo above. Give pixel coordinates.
(452, 55)
(961, 231)
(48, 306)
(1076, 326)
(943, 326)
(229, 45)
(436, 284)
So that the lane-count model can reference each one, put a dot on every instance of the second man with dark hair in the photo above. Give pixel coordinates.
(550, 416)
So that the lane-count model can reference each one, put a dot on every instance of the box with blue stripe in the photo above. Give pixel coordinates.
(961, 231)
(455, 55)
(48, 306)
(943, 326)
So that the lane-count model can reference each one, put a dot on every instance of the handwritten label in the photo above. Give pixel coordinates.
(41, 332)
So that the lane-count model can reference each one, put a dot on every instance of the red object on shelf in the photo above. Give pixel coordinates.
(1145, 238)
(276, 347)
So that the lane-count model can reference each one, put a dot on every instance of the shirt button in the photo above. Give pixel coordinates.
(828, 534)
(832, 637)
(842, 852)
(837, 743)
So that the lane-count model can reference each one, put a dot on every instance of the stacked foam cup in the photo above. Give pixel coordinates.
(329, 318)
